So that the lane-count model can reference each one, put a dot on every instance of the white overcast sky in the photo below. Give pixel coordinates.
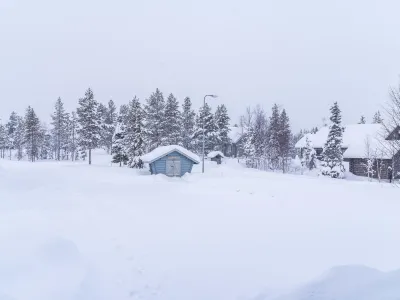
(302, 55)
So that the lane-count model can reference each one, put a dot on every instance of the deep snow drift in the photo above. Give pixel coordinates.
(76, 232)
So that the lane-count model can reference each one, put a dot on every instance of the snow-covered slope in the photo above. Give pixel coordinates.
(69, 231)
(348, 283)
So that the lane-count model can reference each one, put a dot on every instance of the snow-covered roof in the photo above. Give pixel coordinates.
(165, 150)
(213, 154)
(354, 139)
(377, 148)
(235, 134)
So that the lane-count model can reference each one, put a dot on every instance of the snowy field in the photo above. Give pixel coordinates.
(69, 231)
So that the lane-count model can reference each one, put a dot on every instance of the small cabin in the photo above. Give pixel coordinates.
(173, 161)
(216, 156)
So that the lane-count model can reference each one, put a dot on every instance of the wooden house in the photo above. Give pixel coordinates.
(359, 142)
(216, 156)
(235, 146)
(173, 160)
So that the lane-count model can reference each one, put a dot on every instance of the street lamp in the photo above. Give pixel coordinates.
(204, 136)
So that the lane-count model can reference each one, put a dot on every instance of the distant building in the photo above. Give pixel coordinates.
(235, 147)
(216, 156)
(173, 161)
(360, 142)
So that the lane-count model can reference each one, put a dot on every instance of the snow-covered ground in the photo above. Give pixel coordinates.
(69, 231)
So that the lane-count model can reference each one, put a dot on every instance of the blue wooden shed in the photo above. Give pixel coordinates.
(173, 160)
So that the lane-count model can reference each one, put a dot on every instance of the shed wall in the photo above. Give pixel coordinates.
(160, 166)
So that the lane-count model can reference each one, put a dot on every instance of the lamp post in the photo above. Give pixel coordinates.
(204, 136)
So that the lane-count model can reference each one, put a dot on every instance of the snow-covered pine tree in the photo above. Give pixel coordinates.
(259, 132)
(3, 141)
(314, 130)
(273, 137)
(73, 136)
(188, 123)
(133, 139)
(362, 120)
(89, 123)
(118, 148)
(59, 127)
(377, 118)
(332, 164)
(246, 123)
(45, 143)
(32, 134)
(123, 113)
(284, 137)
(19, 138)
(155, 120)
(11, 127)
(173, 122)
(108, 125)
(102, 111)
(205, 118)
(222, 121)
(249, 150)
(309, 156)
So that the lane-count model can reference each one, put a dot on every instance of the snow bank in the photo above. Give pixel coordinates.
(348, 283)
(47, 271)
(165, 150)
(76, 232)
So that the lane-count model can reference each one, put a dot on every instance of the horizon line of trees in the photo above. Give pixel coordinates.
(126, 133)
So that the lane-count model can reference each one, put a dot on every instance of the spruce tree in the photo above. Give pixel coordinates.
(32, 134)
(273, 137)
(284, 138)
(134, 134)
(332, 164)
(249, 150)
(118, 148)
(59, 127)
(155, 120)
(309, 156)
(173, 122)
(89, 120)
(205, 118)
(377, 118)
(222, 121)
(188, 123)
(362, 120)
(73, 136)
(3, 141)
(19, 138)
(45, 143)
(109, 125)
(314, 130)
(260, 127)
(11, 127)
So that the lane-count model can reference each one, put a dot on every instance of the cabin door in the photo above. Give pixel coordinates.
(173, 166)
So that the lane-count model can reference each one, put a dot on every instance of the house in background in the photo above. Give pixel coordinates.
(216, 156)
(173, 160)
(360, 142)
(235, 147)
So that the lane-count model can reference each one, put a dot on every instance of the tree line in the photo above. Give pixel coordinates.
(126, 133)
(268, 142)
